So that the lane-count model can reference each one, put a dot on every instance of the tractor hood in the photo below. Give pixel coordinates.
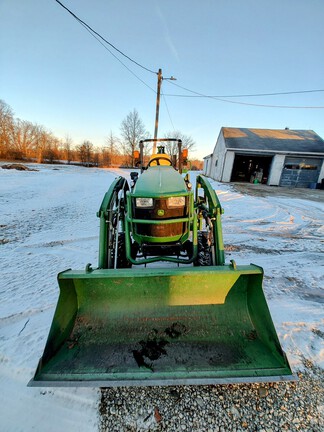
(160, 180)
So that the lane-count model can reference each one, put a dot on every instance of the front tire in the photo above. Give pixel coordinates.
(122, 261)
(204, 256)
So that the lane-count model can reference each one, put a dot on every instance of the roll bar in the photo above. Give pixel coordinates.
(156, 140)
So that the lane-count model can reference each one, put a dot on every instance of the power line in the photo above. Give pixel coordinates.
(105, 40)
(118, 59)
(97, 36)
(252, 104)
(242, 95)
(167, 108)
(268, 106)
(220, 98)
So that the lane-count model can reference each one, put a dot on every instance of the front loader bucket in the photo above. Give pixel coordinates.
(202, 325)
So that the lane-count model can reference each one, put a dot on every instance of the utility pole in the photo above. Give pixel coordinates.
(158, 93)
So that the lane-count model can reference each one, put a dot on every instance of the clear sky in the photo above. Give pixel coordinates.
(53, 72)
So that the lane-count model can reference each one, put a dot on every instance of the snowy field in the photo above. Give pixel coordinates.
(48, 223)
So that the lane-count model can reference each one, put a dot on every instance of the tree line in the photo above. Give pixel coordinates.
(28, 141)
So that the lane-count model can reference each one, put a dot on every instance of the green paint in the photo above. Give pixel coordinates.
(160, 180)
(225, 328)
(213, 322)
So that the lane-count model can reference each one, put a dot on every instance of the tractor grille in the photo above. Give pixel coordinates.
(155, 213)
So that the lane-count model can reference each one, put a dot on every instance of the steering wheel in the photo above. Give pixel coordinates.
(157, 159)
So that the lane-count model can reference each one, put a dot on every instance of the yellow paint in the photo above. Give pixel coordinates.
(278, 134)
(161, 161)
(209, 291)
(233, 133)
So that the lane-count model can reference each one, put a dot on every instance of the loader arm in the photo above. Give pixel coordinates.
(114, 197)
(211, 204)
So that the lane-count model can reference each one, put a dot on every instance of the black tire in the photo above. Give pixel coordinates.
(204, 256)
(122, 261)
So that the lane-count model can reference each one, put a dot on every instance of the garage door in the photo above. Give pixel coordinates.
(299, 172)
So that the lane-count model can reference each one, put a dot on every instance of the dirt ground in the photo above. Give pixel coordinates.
(264, 191)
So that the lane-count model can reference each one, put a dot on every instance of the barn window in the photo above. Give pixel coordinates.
(292, 166)
(300, 166)
(308, 167)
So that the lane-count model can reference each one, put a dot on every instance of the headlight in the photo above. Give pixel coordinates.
(144, 202)
(176, 202)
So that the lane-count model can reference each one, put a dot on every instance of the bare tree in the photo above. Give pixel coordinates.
(26, 136)
(96, 157)
(85, 152)
(110, 151)
(132, 130)
(24, 139)
(172, 147)
(51, 152)
(105, 157)
(6, 129)
(67, 146)
(43, 142)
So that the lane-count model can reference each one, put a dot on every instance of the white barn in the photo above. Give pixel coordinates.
(292, 158)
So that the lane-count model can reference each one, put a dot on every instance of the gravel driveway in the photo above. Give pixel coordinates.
(266, 408)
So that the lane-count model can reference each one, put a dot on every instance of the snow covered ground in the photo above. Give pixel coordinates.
(48, 223)
(285, 236)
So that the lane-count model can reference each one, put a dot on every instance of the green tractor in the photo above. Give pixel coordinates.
(162, 307)
(160, 218)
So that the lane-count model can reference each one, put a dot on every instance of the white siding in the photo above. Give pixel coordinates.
(276, 170)
(321, 176)
(228, 166)
(217, 159)
(207, 163)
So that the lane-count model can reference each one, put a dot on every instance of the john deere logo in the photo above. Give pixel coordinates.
(160, 212)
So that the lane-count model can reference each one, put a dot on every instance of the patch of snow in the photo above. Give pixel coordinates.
(48, 223)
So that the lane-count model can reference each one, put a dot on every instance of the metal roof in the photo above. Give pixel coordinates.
(274, 140)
